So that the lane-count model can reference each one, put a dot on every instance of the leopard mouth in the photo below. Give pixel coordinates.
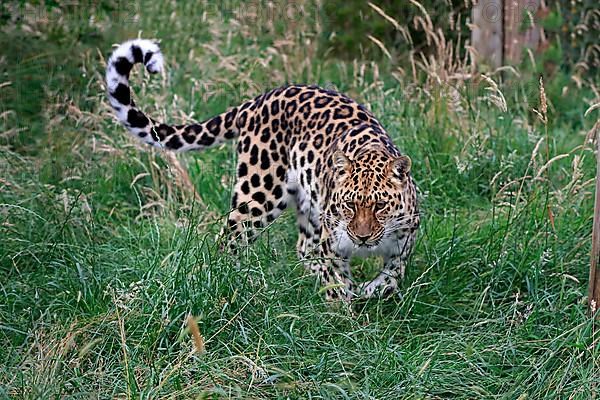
(369, 244)
(366, 246)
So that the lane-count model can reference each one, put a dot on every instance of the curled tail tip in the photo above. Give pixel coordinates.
(118, 68)
(135, 51)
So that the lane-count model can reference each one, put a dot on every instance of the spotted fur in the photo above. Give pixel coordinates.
(352, 188)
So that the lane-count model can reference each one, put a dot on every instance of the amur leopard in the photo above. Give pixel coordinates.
(316, 148)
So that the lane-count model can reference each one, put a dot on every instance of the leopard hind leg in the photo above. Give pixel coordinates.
(259, 197)
(307, 214)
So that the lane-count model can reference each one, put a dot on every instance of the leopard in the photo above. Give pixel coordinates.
(304, 146)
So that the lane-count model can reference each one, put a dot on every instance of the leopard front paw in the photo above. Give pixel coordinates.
(379, 288)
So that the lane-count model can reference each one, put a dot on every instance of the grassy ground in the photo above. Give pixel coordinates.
(106, 247)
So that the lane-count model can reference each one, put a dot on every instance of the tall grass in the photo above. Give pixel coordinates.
(108, 247)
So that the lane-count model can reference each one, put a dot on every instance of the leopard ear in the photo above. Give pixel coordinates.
(401, 165)
(340, 161)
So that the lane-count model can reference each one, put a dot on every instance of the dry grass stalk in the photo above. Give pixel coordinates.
(542, 113)
(196, 335)
(591, 108)
(549, 163)
(381, 46)
(405, 33)
(184, 357)
(122, 335)
(495, 96)
(183, 178)
(445, 70)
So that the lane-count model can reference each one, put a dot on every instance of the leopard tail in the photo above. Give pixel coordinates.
(193, 136)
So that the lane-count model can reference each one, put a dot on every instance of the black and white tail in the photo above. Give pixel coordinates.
(196, 136)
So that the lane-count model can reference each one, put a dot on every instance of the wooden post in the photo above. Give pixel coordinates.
(520, 28)
(594, 285)
(502, 29)
(486, 33)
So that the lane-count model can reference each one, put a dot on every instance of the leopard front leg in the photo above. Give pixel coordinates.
(309, 233)
(386, 282)
(333, 271)
(259, 195)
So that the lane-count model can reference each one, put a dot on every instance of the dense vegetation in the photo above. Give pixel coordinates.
(107, 246)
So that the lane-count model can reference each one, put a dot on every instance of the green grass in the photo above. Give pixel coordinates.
(104, 252)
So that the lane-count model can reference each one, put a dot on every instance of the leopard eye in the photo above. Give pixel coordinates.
(351, 205)
(380, 205)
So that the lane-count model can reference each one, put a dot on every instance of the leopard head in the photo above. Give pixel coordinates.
(373, 196)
